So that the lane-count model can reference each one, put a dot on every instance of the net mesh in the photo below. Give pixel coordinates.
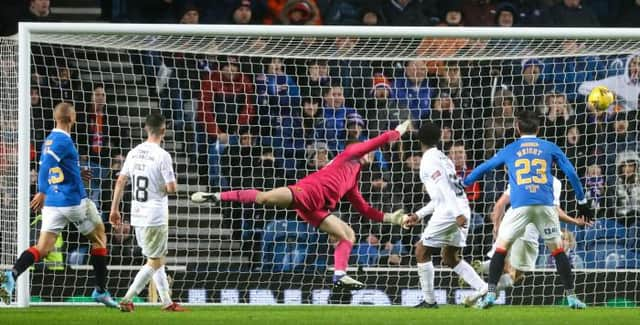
(263, 112)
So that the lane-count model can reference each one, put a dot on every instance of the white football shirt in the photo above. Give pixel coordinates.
(438, 174)
(531, 233)
(149, 168)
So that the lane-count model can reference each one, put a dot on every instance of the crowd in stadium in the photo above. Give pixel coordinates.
(257, 117)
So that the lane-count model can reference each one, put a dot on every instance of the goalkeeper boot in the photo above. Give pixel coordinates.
(104, 298)
(575, 303)
(487, 302)
(202, 197)
(346, 282)
(174, 307)
(8, 283)
(126, 306)
(426, 305)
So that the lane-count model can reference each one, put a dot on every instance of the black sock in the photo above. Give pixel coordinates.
(495, 269)
(99, 263)
(564, 270)
(26, 259)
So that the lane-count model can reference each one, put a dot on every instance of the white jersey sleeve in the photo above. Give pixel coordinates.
(166, 169)
(443, 184)
(557, 188)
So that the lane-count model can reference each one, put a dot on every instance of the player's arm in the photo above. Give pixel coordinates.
(477, 173)
(578, 221)
(166, 169)
(498, 211)
(567, 168)
(118, 190)
(360, 149)
(49, 167)
(360, 204)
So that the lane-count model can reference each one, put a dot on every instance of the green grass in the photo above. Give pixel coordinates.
(281, 315)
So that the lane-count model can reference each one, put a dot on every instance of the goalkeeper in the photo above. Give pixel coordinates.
(314, 196)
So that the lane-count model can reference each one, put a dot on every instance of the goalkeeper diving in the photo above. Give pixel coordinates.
(316, 195)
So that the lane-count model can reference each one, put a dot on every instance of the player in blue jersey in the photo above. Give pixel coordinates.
(529, 161)
(62, 199)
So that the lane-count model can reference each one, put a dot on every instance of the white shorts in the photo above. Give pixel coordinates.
(523, 255)
(153, 240)
(84, 216)
(444, 231)
(515, 221)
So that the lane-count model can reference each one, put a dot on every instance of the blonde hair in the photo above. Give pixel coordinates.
(63, 111)
(570, 237)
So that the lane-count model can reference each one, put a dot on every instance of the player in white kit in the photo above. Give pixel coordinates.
(150, 169)
(447, 229)
(524, 251)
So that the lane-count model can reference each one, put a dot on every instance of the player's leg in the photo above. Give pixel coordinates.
(345, 237)
(53, 221)
(451, 258)
(90, 224)
(280, 197)
(426, 275)
(548, 225)
(511, 228)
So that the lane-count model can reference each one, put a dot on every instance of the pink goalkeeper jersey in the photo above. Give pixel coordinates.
(340, 177)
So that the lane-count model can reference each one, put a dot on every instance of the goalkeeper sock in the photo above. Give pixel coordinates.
(496, 267)
(564, 269)
(27, 258)
(341, 255)
(99, 262)
(426, 274)
(160, 278)
(242, 196)
(466, 272)
(142, 278)
(505, 282)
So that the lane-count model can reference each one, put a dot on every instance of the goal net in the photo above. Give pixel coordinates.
(263, 107)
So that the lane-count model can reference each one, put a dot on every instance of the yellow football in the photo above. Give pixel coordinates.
(600, 98)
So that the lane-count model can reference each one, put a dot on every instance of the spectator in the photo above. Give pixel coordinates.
(314, 77)
(595, 186)
(367, 252)
(242, 14)
(334, 113)
(370, 16)
(626, 86)
(557, 114)
(98, 130)
(42, 119)
(355, 75)
(570, 13)
(346, 12)
(406, 182)
(293, 12)
(529, 87)
(226, 98)
(623, 197)
(190, 15)
(453, 15)
(499, 127)
(575, 148)
(61, 86)
(281, 88)
(620, 139)
(317, 155)
(458, 154)
(383, 112)
(412, 89)
(506, 15)
(406, 12)
(478, 12)
(39, 11)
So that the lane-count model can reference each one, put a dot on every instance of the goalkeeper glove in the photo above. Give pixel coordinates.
(396, 217)
(585, 210)
(403, 127)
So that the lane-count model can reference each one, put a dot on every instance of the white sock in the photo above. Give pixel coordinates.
(160, 278)
(505, 282)
(484, 268)
(141, 280)
(339, 272)
(426, 274)
(217, 196)
(470, 276)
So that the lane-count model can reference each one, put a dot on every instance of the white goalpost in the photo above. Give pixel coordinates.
(262, 106)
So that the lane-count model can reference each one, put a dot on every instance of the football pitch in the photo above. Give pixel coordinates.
(264, 315)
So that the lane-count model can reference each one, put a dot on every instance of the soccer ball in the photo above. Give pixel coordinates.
(600, 98)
